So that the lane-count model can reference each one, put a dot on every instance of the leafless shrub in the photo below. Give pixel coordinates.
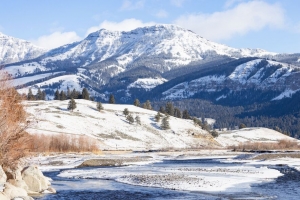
(267, 146)
(13, 124)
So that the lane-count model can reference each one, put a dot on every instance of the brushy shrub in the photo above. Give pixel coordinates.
(63, 143)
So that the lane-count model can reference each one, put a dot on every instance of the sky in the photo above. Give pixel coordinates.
(273, 25)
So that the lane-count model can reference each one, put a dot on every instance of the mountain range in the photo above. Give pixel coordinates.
(159, 63)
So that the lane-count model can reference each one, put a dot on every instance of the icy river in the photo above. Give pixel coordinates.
(183, 178)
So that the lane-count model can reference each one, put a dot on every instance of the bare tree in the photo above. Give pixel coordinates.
(14, 140)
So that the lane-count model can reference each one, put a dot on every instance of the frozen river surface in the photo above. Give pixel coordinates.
(185, 178)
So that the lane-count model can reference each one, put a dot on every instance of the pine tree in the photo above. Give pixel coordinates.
(147, 105)
(136, 102)
(158, 116)
(68, 93)
(39, 95)
(197, 122)
(138, 120)
(72, 105)
(56, 95)
(30, 96)
(126, 111)
(242, 126)
(62, 95)
(162, 110)
(186, 115)
(214, 133)
(85, 94)
(74, 94)
(130, 119)
(112, 99)
(165, 124)
(177, 113)
(99, 106)
(170, 108)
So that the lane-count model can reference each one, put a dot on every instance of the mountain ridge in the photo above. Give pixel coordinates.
(15, 50)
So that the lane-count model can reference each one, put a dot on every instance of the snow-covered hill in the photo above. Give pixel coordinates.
(15, 50)
(236, 137)
(112, 129)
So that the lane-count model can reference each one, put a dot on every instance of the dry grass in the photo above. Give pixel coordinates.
(267, 146)
(270, 156)
(63, 143)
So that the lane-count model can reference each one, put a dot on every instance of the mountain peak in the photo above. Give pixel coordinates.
(15, 49)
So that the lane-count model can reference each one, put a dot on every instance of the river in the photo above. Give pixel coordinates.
(283, 187)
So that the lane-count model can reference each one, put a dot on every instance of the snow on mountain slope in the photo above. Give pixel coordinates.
(147, 83)
(15, 50)
(160, 47)
(24, 80)
(62, 83)
(111, 128)
(286, 94)
(179, 47)
(259, 73)
(231, 138)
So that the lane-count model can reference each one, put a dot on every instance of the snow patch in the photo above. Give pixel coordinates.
(288, 93)
(147, 83)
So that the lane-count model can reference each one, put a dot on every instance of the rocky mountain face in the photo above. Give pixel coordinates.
(162, 62)
(15, 50)
(262, 75)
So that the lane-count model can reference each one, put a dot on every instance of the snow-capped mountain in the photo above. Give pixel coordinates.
(15, 50)
(139, 63)
(160, 47)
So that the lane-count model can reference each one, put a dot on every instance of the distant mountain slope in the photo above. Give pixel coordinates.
(15, 50)
(222, 81)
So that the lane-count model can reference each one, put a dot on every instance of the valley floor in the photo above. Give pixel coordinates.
(204, 174)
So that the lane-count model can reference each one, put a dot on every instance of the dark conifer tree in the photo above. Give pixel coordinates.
(186, 115)
(99, 106)
(39, 95)
(170, 108)
(177, 113)
(138, 120)
(165, 124)
(112, 99)
(162, 110)
(62, 95)
(126, 111)
(74, 94)
(85, 94)
(30, 96)
(56, 95)
(130, 119)
(158, 116)
(147, 105)
(72, 105)
(136, 102)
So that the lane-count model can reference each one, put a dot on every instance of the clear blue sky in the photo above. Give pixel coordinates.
(267, 24)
